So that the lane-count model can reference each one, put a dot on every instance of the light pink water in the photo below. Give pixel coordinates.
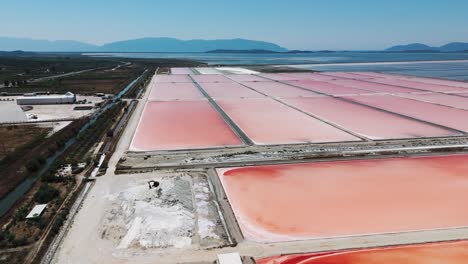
(373, 87)
(312, 76)
(343, 198)
(229, 90)
(280, 76)
(181, 125)
(438, 114)
(418, 85)
(179, 78)
(210, 78)
(175, 91)
(280, 90)
(377, 74)
(442, 99)
(346, 75)
(266, 121)
(416, 79)
(433, 253)
(246, 78)
(436, 81)
(327, 88)
(368, 122)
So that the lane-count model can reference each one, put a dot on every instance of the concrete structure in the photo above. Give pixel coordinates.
(68, 98)
(36, 211)
(229, 258)
(11, 112)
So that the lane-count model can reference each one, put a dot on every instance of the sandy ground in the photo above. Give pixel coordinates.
(56, 126)
(10, 111)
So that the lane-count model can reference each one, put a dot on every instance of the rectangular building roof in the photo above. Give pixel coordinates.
(36, 211)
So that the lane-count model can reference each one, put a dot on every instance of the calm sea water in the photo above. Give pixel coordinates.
(312, 58)
(334, 61)
(453, 70)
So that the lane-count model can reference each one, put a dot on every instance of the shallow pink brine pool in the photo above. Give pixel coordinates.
(167, 125)
(374, 87)
(341, 198)
(433, 253)
(365, 121)
(441, 99)
(228, 90)
(311, 76)
(346, 75)
(419, 85)
(266, 121)
(275, 89)
(246, 78)
(162, 78)
(210, 78)
(175, 91)
(437, 114)
(327, 88)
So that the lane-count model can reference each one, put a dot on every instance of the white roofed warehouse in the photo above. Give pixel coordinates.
(68, 98)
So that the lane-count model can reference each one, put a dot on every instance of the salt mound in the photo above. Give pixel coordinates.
(152, 218)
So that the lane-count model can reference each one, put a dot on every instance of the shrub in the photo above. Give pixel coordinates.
(45, 194)
(21, 213)
(33, 165)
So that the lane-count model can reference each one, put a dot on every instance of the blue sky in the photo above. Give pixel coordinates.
(294, 24)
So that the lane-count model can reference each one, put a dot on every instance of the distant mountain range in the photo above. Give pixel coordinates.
(418, 47)
(137, 45)
(257, 51)
(196, 45)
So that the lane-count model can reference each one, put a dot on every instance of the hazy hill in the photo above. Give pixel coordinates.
(258, 51)
(137, 45)
(412, 47)
(252, 51)
(450, 47)
(455, 46)
(26, 44)
(197, 45)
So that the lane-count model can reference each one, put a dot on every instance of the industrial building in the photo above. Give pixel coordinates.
(68, 98)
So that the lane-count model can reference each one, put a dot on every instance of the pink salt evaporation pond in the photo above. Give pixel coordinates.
(433, 113)
(419, 85)
(175, 91)
(441, 99)
(167, 125)
(434, 253)
(202, 78)
(373, 87)
(246, 78)
(346, 75)
(280, 90)
(266, 122)
(161, 78)
(365, 121)
(327, 88)
(181, 71)
(220, 90)
(311, 76)
(416, 78)
(340, 198)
